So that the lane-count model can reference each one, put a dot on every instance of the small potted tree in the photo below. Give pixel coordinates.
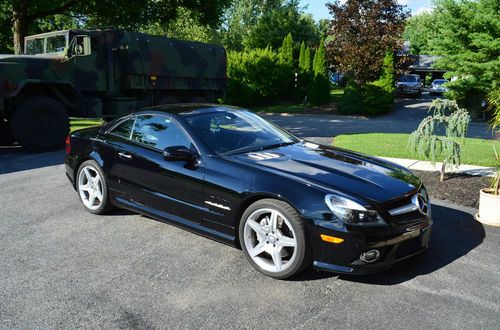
(489, 198)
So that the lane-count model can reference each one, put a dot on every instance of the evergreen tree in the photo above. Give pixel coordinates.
(307, 59)
(286, 51)
(302, 57)
(320, 87)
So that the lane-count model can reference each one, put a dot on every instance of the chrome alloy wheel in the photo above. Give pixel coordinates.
(90, 188)
(270, 240)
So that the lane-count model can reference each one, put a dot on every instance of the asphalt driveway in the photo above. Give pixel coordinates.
(63, 267)
(405, 118)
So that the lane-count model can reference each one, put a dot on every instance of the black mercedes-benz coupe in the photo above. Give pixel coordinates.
(228, 174)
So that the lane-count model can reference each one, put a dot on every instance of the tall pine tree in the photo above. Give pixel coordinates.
(320, 87)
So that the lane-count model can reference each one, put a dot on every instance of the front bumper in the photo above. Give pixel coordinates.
(345, 257)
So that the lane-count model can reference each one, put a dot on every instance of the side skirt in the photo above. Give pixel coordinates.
(176, 221)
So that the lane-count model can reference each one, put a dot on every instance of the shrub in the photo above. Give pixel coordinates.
(253, 76)
(257, 76)
(373, 98)
(351, 103)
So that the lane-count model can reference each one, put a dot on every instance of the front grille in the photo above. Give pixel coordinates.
(411, 209)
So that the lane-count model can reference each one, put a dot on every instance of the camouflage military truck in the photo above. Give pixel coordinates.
(100, 74)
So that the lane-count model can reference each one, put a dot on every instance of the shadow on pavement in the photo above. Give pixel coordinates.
(454, 234)
(14, 159)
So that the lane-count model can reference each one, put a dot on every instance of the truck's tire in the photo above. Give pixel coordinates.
(6, 137)
(40, 124)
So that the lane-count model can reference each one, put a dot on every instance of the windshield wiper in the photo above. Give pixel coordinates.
(277, 145)
(254, 149)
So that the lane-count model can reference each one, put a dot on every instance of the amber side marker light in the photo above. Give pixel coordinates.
(331, 239)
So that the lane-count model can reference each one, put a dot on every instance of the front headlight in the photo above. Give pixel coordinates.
(351, 212)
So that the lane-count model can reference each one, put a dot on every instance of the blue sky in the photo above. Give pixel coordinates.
(318, 8)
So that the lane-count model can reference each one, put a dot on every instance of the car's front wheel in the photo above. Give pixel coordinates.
(92, 188)
(273, 238)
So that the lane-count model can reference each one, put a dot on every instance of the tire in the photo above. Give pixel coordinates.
(40, 124)
(93, 169)
(258, 238)
(6, 137)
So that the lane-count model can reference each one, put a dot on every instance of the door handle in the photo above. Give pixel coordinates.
(124, 156)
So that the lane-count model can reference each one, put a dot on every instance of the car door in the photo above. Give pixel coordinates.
(167, 188)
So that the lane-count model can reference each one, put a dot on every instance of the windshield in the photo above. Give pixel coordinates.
(439, 82)
(34, 46)
(51, 44)
(232, 132)
(410, 79)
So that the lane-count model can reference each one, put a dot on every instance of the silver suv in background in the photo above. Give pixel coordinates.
(409, 85)
(437, 86)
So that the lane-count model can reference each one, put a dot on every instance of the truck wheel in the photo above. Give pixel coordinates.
(6, 137)
(40, 124)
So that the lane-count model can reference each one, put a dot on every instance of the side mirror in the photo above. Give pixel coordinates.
(79, 46)
(178, 153)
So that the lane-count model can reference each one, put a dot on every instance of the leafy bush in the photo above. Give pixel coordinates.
(373, 98)
(253, 76)
(257, 76)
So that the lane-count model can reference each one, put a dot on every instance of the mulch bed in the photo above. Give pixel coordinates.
(457, 188)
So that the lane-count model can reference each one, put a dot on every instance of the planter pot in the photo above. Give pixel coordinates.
(489, 208)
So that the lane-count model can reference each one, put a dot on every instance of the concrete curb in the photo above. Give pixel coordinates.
(420, 165)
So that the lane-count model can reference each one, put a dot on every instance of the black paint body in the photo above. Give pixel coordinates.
(302, 175)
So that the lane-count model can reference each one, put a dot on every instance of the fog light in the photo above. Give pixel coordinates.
(370, 256)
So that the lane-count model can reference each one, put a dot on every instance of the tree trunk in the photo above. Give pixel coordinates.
(443, 169)
(20, 25)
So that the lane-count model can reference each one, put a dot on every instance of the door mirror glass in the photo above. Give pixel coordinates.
(79, 46)
(178, 153)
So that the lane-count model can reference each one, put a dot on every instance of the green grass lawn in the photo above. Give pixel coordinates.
(474, 152)
(78, 123)
(336, 94)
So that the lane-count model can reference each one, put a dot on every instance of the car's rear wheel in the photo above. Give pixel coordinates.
(273, 238)
(92, 188)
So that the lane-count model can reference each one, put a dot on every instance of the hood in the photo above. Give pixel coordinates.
(334, 169)
(9, 58)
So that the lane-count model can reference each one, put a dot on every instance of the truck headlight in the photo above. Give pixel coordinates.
(351, 212)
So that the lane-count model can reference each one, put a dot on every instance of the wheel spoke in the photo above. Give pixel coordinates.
(258, 249)
(257, 228)
(87, 174)
(273, 221)
(86, 187)
(92, 198)
(286, 241)
(276, 255)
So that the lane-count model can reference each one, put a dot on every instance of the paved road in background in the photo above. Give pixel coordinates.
(63, 267)
(405, 118)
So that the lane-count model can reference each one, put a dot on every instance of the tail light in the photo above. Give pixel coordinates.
(68, 145)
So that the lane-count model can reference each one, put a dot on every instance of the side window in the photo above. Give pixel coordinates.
(124, 129)
(159, 132)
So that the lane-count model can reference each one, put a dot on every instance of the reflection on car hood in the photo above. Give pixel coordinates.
(336, 169)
